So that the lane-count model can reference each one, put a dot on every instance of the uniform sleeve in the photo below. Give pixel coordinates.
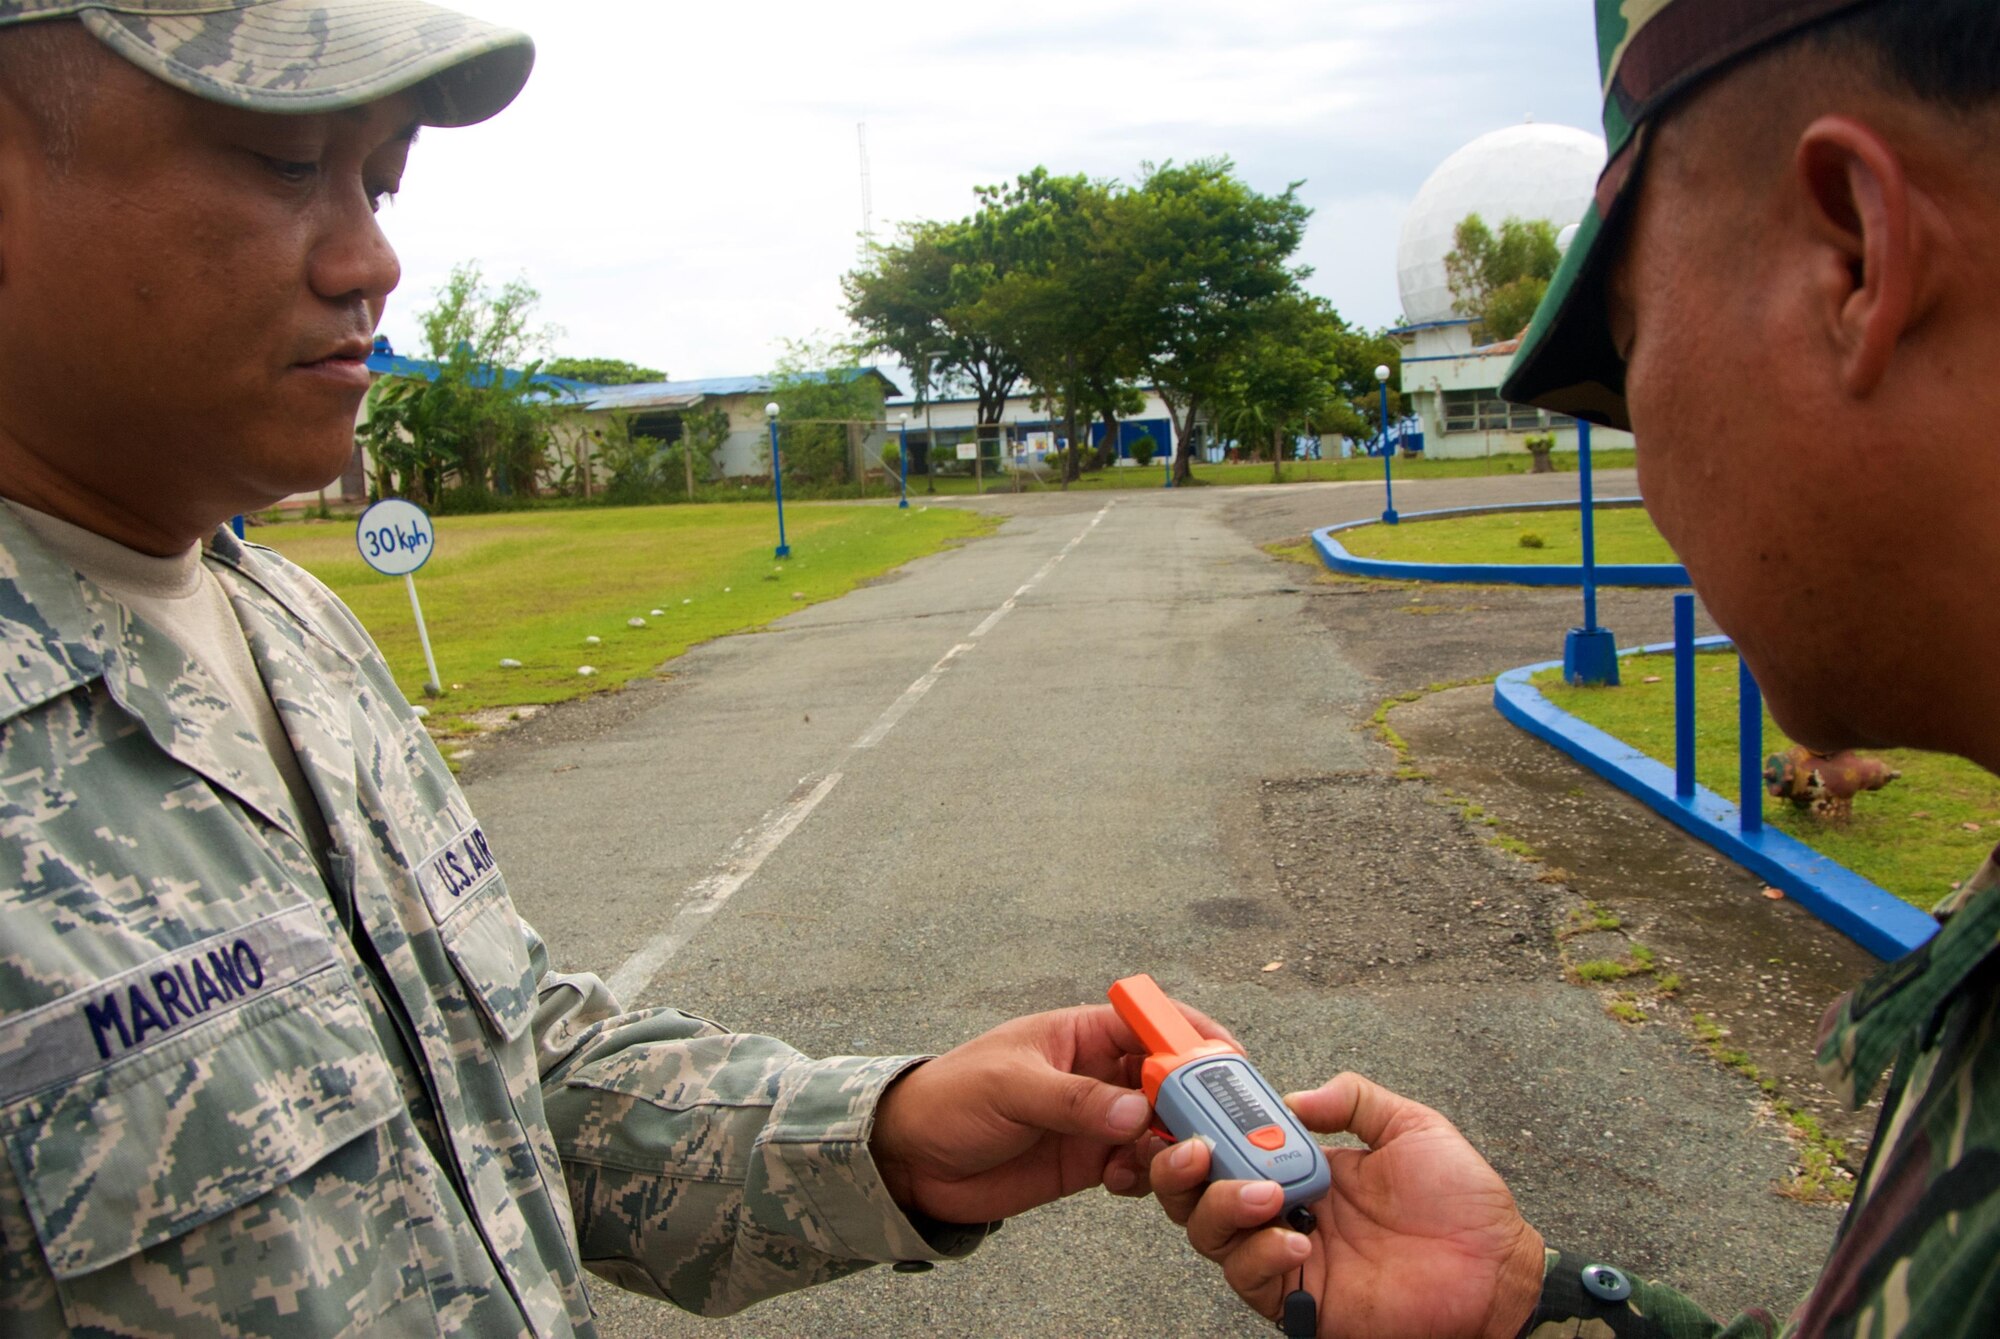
(713, 1169)
(1580, 1300)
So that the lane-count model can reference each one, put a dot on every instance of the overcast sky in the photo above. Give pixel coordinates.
(683, 183)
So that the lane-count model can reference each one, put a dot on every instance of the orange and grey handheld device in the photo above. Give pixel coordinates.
(1207, 1089)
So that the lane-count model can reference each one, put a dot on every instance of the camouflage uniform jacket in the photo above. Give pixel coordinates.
(250, 1088)
(1919, 1250)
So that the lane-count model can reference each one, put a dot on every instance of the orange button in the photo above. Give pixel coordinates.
(1271, 1138)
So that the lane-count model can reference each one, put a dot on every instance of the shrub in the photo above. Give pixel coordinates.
(1531, 540)
(1144, 449)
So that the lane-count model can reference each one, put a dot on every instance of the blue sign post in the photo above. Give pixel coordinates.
(778, 478)
(1590, 653)
(1750, 749)
(1389, 516)
(1684, 698)
(396, 538)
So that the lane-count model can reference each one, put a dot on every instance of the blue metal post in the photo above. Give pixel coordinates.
(1389, 516)
(1684, 697)
(1750, 742)
(1590, 653)
(1589, 526)
(778, 483)
(236, 526)
(903, 463)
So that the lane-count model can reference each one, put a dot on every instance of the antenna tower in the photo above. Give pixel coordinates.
(867, 191)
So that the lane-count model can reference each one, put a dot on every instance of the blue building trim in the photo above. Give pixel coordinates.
(1871, 916)
(1338, 559)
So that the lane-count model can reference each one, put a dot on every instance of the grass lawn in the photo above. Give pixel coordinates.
(1362, 469)
(531, 586)
(1624, 535)
(1917, 838)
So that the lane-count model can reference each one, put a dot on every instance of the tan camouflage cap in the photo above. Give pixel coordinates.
(1650, 52)
(306, 56)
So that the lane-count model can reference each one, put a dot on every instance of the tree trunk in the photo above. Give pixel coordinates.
(1072, 458)
(1277, 455)
(1182, 419)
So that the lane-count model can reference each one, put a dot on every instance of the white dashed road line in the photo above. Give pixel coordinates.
(749, 852)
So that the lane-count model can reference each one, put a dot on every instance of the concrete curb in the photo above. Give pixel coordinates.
(1872, 917)
(1338, 559)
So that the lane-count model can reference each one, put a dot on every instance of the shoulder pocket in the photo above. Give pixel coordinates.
(490, 953)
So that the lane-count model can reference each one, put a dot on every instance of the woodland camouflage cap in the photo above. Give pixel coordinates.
(1649, 53)
(300, 56)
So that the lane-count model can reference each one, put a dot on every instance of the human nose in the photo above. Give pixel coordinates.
(354, 259)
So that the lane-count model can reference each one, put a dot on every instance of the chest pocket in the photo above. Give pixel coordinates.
(237, 1170)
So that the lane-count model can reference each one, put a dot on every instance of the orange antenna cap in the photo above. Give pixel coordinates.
(1164, 1031)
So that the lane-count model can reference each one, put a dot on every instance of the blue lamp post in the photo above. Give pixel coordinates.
(1590, 653)
(1389, 516)
(903, 460)
(778, 478)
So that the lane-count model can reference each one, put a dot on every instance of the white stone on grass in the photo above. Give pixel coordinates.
(635, 622)
(510, 664)
(586, 671)
(593, 641)
(423, 713)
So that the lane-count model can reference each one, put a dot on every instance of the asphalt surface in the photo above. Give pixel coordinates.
(1155, 759)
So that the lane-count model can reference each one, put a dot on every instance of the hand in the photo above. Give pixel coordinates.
(1418, 1235)
(1034, 1110)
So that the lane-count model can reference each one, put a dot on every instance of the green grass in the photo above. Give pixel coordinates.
(1360, 469)
(531, 586)
(1911, 838)
(1624, 535)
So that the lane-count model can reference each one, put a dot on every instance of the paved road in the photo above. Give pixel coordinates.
(1089, 745)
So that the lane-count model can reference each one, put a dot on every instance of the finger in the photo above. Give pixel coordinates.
(1126, 1174)
(1045, 1098)
(1228, 1211)
(1350, 1104)
(1179, 1176)
(1261, 1265)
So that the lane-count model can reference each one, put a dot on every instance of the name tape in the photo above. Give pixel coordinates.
(456, 871)
(159, 1000)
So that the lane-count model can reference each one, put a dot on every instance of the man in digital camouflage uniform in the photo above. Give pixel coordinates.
(1789, 288)
(276, 1055)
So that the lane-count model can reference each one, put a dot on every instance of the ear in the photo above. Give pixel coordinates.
(1858, 207)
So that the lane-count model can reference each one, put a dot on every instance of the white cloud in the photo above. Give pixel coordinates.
(683, 182)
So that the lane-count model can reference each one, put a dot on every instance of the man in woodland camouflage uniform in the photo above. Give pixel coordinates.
(1789, 288)
(276, 1055)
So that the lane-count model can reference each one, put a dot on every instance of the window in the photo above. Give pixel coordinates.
(1482, 411)
(1461, 411)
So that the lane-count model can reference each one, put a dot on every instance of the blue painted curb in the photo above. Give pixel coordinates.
(1338, 559)
(1872, 917)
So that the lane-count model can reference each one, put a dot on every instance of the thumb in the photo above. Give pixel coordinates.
(1048, 1099)
(1350, 1104)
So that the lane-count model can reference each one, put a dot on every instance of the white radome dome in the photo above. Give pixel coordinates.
(1526, 172)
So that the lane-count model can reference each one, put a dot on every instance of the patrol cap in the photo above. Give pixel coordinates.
(1650, 52)
(303, 56)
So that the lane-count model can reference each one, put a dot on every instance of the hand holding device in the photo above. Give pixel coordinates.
(1206, 1089)
(1419, 1234)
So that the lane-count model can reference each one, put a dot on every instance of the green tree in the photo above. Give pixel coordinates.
(602, 371)
(1060, 311)
(481, 421)
(1201, 258)
(825, 404)
(1291, 378)
(1498, 279)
